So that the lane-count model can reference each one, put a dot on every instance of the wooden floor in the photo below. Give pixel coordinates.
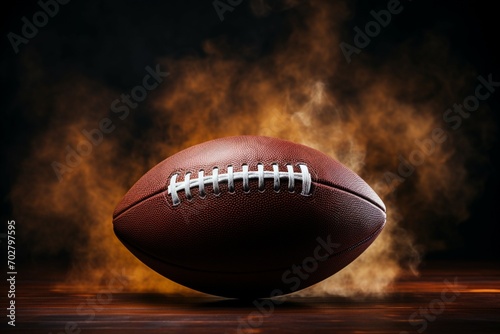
(445, 298)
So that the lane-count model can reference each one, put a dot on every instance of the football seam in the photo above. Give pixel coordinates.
(135, 203)
(346, 250)
(347, 190)
(319, 182)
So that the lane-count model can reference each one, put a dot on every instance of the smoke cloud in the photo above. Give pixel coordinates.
(365, 114)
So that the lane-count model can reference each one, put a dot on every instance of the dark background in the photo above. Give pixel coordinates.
(111, 41)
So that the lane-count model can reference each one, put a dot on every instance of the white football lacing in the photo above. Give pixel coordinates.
(245, 175)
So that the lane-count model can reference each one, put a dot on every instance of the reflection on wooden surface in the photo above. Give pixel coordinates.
(444, 298)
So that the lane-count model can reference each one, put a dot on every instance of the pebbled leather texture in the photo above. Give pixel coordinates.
(240, 244)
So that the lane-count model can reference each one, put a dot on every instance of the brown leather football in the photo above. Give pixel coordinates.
(249, 217)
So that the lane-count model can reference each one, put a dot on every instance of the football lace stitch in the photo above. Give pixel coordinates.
(244, 176)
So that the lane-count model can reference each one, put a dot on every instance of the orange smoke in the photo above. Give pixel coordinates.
(365, 116)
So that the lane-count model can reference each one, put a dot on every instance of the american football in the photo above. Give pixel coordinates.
(249, 217)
